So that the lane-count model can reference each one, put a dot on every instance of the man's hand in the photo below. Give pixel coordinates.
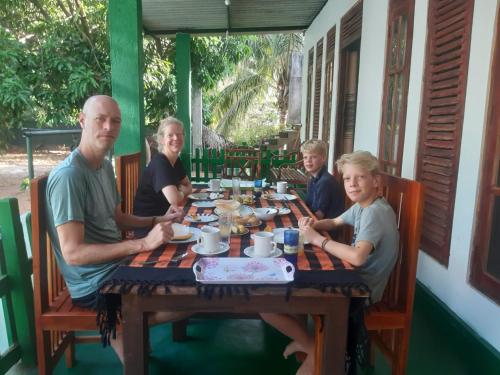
(160, 234)
(174, 213)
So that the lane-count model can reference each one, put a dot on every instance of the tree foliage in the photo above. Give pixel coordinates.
(55, 53)
(260, 78)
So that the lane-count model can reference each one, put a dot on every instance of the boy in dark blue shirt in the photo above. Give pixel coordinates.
(325, 197)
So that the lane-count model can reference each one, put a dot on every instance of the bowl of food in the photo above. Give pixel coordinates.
(265, 213)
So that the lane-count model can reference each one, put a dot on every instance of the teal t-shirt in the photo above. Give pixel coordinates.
(377, 225)
(76, 192)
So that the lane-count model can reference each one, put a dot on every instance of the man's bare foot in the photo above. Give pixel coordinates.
(293, 347)
(307, 367)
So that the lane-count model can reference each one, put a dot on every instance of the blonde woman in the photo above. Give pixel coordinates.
(164, 182)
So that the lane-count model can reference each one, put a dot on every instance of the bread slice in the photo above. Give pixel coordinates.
(181, 232)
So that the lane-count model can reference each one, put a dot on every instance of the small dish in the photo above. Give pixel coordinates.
(250, 252)
(199, 249)
(204, 204)
(250, 225)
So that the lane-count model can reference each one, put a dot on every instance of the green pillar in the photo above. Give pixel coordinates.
(127, 66)
(183, 82)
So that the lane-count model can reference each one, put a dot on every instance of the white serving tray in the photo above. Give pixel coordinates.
(213, 270)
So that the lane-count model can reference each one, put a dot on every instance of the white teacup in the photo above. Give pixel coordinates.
(214, 185)
(263, 244)
(210, 238)
(281, 187)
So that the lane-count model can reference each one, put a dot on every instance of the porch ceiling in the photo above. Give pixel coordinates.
(167, 17)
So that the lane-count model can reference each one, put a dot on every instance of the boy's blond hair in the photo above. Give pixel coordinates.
(315, 146)
(362, 159)
(170, 120)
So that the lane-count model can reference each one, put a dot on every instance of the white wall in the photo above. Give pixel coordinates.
(329, 16)
(450, 284)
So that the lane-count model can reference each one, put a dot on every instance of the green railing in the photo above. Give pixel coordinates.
(15, 290)
(207, 163)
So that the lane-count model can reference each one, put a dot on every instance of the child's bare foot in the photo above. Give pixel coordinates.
(307, 367)
(293, 347)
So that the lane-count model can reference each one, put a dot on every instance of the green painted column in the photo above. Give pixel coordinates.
(127, 67)
(183, 85)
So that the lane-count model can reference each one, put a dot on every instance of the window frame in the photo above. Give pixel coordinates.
(489, 187)
(397, 9)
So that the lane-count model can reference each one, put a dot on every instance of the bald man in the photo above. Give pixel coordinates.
(84, 213)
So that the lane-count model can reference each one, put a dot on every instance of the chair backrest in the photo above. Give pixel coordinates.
(128, 169)
(406, 198)
(242, 162)
(49, 286)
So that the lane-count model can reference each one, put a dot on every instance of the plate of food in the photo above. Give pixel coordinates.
(279, 197)
(283, 211)
(248, 221)
(184, 234)
(226, 205)
(242, 210)
(201, 218)
(244, 199)
(239, 230)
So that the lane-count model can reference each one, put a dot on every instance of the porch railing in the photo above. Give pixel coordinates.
(207, 163)
(16, 310)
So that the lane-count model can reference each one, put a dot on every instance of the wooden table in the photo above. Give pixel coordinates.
(332, 305)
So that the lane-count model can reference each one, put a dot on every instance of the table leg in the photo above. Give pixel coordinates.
(334, 338)
(135, 336)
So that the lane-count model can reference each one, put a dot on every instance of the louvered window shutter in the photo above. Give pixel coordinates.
(317, 87)
(327, 101)
(310, 59)
(447, 57)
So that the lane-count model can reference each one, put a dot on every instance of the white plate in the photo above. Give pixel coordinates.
(279, 235)
(215, 191)
(243, 210)
(203, 218)
(199, 249)
(250, 252)
(230, 270)
(204, 204)
(281, 197)
(284, 211)
(196, 234)
(204, 196)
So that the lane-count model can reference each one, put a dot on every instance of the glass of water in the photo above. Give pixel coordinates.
(236, 188)
(225, 223)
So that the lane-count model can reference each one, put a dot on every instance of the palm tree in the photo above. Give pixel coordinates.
(264, 72)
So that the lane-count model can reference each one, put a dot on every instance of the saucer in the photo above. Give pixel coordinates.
(249, 252)
(199, 249)
(204, 204)
(283, 211)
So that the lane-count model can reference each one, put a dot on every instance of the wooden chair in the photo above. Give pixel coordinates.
(56, 319)
(128, 172)
(242, 162)
(290, 171)
(389, 321)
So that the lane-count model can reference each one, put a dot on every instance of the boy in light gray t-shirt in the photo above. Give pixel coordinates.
(375, 224)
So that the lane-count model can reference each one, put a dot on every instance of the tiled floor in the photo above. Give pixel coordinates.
(227, 347)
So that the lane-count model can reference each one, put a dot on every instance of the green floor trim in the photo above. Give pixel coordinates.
(465, 339)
